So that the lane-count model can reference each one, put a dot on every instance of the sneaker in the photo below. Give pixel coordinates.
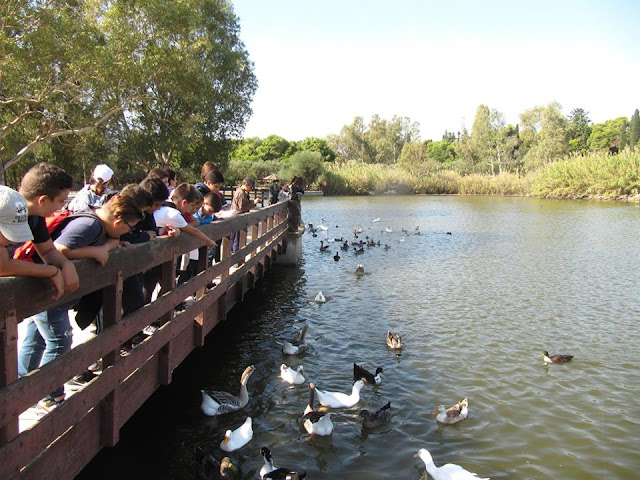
(211, 285)
(96, 367)
(48, 404)
(81, 380)
(149, 330)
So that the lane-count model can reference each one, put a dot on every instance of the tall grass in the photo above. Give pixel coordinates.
(592, 176)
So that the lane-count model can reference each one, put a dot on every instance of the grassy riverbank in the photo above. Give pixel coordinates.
(594, 176)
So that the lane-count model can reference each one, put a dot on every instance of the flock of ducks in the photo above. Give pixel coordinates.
(317, 420)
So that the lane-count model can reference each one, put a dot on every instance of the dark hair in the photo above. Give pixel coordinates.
(139, 195)
(171, 174)
(213, 176)
(123, 207)
(156, 187)
(186, 191)
(213, 200)
(158, 172)
(45, 179)
(206, 168)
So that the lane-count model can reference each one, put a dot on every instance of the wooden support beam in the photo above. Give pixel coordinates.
(9, 368)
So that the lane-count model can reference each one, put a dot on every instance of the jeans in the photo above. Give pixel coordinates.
(48, 336)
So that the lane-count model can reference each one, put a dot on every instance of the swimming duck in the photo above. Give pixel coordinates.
(238, 438)
(358, 230)
(339, 399)
(375, 220)
(316, 423)
(212, 469)
(450, 471)
(339, 240)
(312, 229)
(323, 247)
(388, 230)
(359, 269)
(219, 403)
(377, 418)
(401, 240)
(290, 375)
(269, 470)
(394, 341)
(320, 297)
(386, 247)
(289, 348)
(345, 246)
(404, 230)
(358, 251)
(324, 228)
(546, 358)
(454, 414)
(336, 257)
(360, 372)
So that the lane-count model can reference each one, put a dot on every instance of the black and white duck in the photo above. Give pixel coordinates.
(362, 373)
(339, 399)
(377, 418)
(454, 414)
(316, 422)
(211, 469)
(394, 341)
(289, 348)
(386, 247)
(269, 470)
(358, 251)
(219, 403)
(546, 358)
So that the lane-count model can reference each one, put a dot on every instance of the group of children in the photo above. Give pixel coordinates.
(97, 221)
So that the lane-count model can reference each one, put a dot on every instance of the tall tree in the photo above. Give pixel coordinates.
(578, 130)
(608, 135)
(634, 130)
(543, 131)
(319, 145)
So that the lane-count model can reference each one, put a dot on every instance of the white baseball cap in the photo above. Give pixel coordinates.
(13, 216)
(102, 172)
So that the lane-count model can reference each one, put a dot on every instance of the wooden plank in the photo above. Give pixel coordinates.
(9, 368)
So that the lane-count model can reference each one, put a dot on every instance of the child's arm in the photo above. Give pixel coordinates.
(51, 256)
(19, 268)
(194, 232)
(99, 254)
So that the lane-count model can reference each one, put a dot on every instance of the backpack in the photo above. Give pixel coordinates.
(55, 223)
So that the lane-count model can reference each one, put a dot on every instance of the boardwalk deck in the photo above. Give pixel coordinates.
(59, 444)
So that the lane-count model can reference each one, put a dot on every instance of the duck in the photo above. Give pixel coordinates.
(358, 230)
(219, 403)
(358, 251)
(360, 372)
(320, 297)
(312, 229)
(388, 230)
(404, 230)
(450, 471)
(386, 247)
(339, 399)
(375, 220)
(546, 358)
(417, 230)
(377, 418)
(401, 240)
(269, 470)
(345, 246)
(336, 257)
(454, 414)
(394, 341)
(212, 469)
(448, 233)
(238, 438)
(339, 240)
(315, 422)
(323, 247)
(289, 348)
(359, 269)
(289, 375)
(324, 228)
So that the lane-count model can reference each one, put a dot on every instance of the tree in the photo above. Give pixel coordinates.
(350, 144)
(413, 153)
(247, 149)
(319, 145)
(578, 131)
(305, 164)
(634, 130)
(543, 132)
(609, 134)
(273, 148)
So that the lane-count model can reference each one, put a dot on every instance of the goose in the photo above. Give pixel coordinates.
(450, 471)
(454, 414)
(290, 375)
(212, 469)
(219, 403)
(316, 423)
(388, 230)
(341, 400)
(324, 228)
(401, 240)
(546, 358)
(289, 348)
(359, 372)
(359, 269)
(269, 470)
(358, 230)
(394, 341)
(320, 297)
(339, 240)
(323, 247)
(345, 246)
(377, 418)
(336, 257)
(238, 438)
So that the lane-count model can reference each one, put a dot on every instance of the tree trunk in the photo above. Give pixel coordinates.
(2, 181)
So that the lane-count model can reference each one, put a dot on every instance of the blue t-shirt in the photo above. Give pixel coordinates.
(81, 232)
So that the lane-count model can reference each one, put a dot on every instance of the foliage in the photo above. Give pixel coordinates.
(608, 134)
(320, 145)
(258, 169)
(578, 131)
(543, 132)
(305, 164)
(634, 129)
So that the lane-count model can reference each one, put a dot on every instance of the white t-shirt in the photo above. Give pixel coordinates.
(168, 217)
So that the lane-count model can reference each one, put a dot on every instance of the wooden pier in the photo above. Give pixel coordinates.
(63, 441)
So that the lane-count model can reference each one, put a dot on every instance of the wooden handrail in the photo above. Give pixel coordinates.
(159, 353)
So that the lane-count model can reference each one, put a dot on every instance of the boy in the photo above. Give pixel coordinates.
(49, 334)
(95, 192)
(241, 203)
(212, 180)
(14, 228)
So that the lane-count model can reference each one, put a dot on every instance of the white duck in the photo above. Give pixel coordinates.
(290, 375)
(316, 423)
(238, 438)
(320, 298)
(219, 403)
(450, 471)
(452, 415)
(289, 348)
(388, 230)
(375, 220)
(341, 400)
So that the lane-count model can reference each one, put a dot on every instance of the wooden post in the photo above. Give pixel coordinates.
(225, 252)
(9, 367)
(168, 282)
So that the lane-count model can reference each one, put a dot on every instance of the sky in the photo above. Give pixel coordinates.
(319, 64)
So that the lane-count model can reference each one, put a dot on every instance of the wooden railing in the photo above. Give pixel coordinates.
(63, 441)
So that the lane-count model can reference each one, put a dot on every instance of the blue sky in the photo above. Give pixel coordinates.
(320, 64)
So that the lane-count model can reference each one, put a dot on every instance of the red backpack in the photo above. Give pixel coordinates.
(55, 223)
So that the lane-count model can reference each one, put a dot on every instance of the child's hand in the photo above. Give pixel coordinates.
(58, 284)
(173, 232)
(211, 243)
(101, 255)
(124, 243)
(70, 277)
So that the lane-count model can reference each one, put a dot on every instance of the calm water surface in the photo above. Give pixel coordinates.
(515, 277)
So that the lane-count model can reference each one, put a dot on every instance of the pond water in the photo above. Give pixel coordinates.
(475, 308)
